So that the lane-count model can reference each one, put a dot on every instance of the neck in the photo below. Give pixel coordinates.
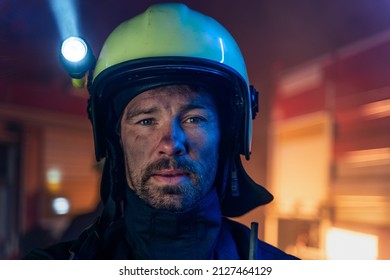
(157, 234)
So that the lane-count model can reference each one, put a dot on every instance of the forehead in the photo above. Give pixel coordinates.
(174, 95)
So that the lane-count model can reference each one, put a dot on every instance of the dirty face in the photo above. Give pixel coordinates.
(170, 138)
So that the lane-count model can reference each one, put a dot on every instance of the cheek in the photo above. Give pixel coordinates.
(134, 149)
(207, 143)
(139, 149)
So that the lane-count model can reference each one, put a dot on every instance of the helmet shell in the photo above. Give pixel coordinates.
(171, 29)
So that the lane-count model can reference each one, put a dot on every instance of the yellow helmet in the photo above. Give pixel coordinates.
(165, 30)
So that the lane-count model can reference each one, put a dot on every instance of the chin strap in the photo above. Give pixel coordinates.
(253, 242)
(234, 178)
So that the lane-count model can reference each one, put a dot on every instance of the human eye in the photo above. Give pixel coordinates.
(146, 122)
(195, 120)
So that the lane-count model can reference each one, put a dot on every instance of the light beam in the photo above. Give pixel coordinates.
(65, 14)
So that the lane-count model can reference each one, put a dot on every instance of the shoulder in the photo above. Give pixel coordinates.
(58, 251)
(269, 252)
(111, 245)
(265, 251)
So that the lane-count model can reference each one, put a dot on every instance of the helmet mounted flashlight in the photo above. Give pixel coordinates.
(76, 57)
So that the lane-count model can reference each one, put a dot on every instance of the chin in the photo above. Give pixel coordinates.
(174, 203)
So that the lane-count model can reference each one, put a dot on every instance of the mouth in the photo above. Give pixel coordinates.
(171, 177)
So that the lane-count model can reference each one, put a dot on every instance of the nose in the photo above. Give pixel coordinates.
(173, 140)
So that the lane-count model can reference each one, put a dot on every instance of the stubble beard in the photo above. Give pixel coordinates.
(173, 198)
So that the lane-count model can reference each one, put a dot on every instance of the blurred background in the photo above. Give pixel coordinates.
(321, 141)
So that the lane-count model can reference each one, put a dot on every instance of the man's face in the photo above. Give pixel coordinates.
(170, 138)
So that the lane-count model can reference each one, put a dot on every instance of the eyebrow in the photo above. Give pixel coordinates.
(140, 111)
(145, 111)
(193, 106)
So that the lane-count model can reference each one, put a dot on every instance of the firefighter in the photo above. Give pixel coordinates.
(171, 109)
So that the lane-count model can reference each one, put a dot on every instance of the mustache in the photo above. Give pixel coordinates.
(167, 163)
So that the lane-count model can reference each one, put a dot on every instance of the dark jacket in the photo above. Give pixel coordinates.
(147, 233)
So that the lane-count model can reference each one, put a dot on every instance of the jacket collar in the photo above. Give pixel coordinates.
(157, 234)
